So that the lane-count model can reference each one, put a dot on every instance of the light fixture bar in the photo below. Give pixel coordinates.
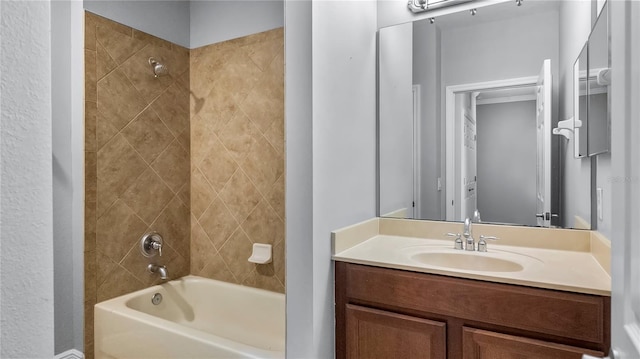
(417, 6)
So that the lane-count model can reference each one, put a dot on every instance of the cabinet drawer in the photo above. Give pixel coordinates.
(569, 315)
(482, 344)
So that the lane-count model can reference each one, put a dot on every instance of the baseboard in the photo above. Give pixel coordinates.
(70, 354)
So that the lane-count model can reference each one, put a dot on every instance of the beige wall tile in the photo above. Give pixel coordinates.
(89, 32)
(275, 197)
(90, 118)
(173, 108)
(148, 135)
(240, 196)
(118, 167)
(173, 166)
(90, 75)
(202, 249)
(263, 225)
(140, 73)
(124, 196)
(265, 280)
(202, 193)
(104, 63)
(263, 165)
(119, 229)
(238, 136)
(119, 45)
(118, 101)
(148, 196)
(218, 222)
(174, 226)
(235, 253)
(217, 269)
(240, 154)
(218, 166)
(104, 130)
(119, 282)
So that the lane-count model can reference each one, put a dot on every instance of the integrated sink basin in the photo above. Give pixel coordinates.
(444, 257)
(467, 261)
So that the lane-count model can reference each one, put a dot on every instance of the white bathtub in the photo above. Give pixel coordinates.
(197, 318)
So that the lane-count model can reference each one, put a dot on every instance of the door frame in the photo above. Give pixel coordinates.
(450, 99)
(417, 158)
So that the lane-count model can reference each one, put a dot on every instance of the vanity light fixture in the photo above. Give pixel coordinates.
(417, 6)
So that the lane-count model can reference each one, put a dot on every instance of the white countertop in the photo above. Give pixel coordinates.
(567, 270)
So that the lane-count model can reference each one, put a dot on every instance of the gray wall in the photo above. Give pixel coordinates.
(26, 215)
(426, 73)
(193, 23)
(216, 21)
(575, 25)
(168, 20)
(337, 139)
(396, 118)
(507, 162)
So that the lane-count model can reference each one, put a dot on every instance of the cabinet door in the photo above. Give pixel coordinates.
(373, 334)
(481, 344)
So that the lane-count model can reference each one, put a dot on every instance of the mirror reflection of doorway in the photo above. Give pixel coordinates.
(506, 163)
(498, 135)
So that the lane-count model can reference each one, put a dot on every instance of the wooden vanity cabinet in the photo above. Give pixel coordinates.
(388, 313)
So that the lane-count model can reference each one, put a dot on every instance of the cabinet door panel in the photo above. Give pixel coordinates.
(481, 344)
(376, 334)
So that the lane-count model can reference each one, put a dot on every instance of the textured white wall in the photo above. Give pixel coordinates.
(26, 259)
(166, 19)
(331, 56)
(221, 20)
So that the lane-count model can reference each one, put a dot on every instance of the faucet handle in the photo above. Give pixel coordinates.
(458, 241)
(150, 243)
(492, 238)
(482, 244)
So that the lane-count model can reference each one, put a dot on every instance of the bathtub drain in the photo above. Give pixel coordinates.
(157, 299)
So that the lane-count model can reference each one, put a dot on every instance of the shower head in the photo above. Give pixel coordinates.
(158, 68)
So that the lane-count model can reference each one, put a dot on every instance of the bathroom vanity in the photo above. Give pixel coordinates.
(391, 302)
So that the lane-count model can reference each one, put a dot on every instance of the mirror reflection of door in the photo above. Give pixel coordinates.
(466, 158)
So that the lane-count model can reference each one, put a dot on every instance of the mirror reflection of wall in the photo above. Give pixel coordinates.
(502, 42)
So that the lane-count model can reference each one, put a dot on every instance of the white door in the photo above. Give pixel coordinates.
(469, 163)
(543, 163)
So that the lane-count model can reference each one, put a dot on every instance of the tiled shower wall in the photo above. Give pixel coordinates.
(136, 160)
(237, 159)
(197, 155)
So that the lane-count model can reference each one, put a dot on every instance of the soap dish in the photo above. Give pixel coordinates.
(261, 253)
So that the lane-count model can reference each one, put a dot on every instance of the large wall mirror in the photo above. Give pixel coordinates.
(592, 77)
(467, 103)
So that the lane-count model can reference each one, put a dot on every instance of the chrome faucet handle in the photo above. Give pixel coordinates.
(458, 241)
(482, 244)
(150, 243)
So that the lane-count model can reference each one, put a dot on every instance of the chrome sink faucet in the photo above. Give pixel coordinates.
(470, 243)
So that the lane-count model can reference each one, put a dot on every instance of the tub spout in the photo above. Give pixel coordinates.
(162, 270)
